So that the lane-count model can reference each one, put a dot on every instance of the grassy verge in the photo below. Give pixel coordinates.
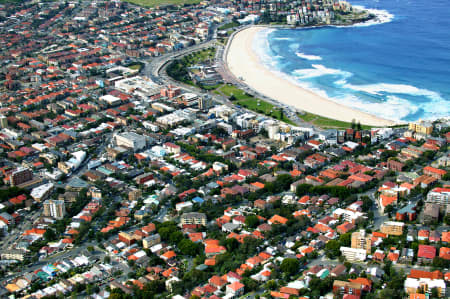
(248, 101)
(229, 26)
(327, 123)
(152, 3)
(200, 56)
(137, 67)
(178, 69)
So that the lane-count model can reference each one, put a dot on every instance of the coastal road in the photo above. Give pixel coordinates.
(289, 111)
(156, 70)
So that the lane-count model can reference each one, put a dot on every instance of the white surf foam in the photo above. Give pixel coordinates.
(282, 38)
(319, 70)
(380, 88)
(381, 16)
(308, 57)
(394, 108)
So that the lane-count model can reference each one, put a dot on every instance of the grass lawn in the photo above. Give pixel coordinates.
(135, 67)
(251, 103)
(152, 3)
(229, 26)
(200, 56)
(327, 123)
(229, 90)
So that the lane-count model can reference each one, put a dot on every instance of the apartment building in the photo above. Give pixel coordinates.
(392, 228)
(54, 208)
(361, 240)
(193, 218)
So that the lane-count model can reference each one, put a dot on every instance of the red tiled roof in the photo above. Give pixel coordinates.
(426, 251)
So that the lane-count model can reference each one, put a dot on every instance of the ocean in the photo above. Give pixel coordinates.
(398, 68)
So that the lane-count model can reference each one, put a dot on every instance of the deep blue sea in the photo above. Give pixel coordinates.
(398, 69)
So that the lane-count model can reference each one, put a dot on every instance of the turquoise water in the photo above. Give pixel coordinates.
(397, 68)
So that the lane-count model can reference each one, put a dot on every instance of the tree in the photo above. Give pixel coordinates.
(389, 209)
(252, 221)
(271, 285)
(367, 203)
(332, 249)
(231, 244)
(89, 289)
(290, 266)
(441, 263)
(345, 239)
(50, 235)
(187, 247)
(435, 293)
(250, 284)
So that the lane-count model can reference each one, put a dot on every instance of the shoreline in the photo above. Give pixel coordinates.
(247, 68)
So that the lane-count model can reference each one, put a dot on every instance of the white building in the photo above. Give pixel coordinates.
(440, 196)
(76, 160)
(353, 254)
(41, 192)
(111, 100)
(348, 215)
(130, 140)
(138, 85)
(412, 285)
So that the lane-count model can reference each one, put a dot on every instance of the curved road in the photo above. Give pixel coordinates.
(156, 70)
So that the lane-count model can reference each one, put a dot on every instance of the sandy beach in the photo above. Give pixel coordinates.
(245, 65)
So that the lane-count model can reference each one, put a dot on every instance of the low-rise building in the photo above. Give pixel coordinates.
(193, 218)
(353, 254)
(392, 228)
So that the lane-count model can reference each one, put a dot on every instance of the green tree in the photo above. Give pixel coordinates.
(187, 247)
(345, 239)
(252, 221)
(290, 266)
(332, 249)
(50, 235)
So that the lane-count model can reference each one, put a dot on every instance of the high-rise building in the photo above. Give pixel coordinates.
(439, 196)
(54, 208)
(3, 121)
(361, 240)
(20, 176)
(422, 127)
(204, 102)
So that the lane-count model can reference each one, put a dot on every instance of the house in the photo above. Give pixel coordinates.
(217, 281)
(406, 256)
(340, 288)
(444, 253)
(235, 289)
(366, 283)
(434, 172)
(276, 219)
(406, 213)
(426, 254)
(317, 145)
